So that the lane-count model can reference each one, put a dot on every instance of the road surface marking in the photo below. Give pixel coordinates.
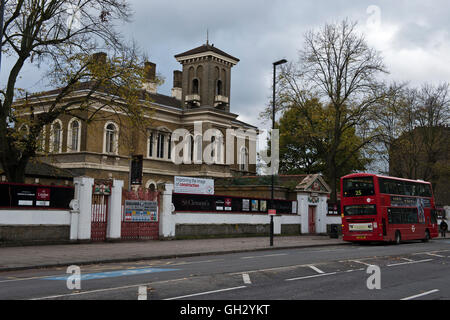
(246, 278)
(194, 262)
(435, 255)
(113, 274)
(142, 293)
(271, 269)
(265, 256)
(205, 293)
(420, 295)
(314, 276)
(107, 289)
(316, 269)
(409, 262)
(364, 263)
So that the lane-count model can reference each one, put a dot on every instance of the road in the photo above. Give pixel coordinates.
(408, 271)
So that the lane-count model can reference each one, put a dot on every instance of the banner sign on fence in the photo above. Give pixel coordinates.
(193, 185)
(229, 204)
(29, 196)
(141, 211)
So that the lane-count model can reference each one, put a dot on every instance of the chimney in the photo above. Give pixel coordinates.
(150, 84)
(177, 81)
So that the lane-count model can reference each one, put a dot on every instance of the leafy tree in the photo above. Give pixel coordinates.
(305, 142)
(64, 35)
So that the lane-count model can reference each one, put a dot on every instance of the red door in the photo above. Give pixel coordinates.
(312, 219)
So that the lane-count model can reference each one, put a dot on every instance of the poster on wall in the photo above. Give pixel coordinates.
(263, 205)
(43, 197)
(193, 185)
(255, 205)
(141, 211)
(245, 204)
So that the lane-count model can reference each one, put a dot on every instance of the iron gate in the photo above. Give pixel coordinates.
(99, 217)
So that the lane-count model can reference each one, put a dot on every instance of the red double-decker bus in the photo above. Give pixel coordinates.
(381, 208)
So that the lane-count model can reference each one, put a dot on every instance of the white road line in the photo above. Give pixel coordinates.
(409, 262)
(194, 262)
(364, 263)
(308, 277)
(246, 278)
(105, 290)
(207, 292)
(265, 256)
(316, 269)
(420, 295)
(142, 293)
(435, 255)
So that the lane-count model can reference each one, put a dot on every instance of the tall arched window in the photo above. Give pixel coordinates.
(56, 136)
(219, 88)
(111, 138)
(151, 139)
(243, 163)
(74, 135)
(195, 86)
(160, 146)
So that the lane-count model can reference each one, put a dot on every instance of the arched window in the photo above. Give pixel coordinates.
(111, 138)
(160, 146)
(151, 138)
(195, 86)
(74, 135)
(56, 136)
(243, 163)
(191, 147)
(151, 185)
(219, 88)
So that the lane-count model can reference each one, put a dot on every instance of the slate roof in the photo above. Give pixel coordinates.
(206, 48)
(287, 181)
(144, 95)
(41, 169)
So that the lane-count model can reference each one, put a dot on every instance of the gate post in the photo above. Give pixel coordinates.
(85, 206)
(113, 231)
(166, 219)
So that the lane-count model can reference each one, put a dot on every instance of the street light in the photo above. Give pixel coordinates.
(275, 64)
(2, 13)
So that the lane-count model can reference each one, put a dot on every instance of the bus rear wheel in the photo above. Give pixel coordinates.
(398, 237)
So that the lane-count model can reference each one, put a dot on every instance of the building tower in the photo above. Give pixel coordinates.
(206, 77)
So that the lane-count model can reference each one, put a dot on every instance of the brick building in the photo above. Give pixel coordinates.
(200, 96)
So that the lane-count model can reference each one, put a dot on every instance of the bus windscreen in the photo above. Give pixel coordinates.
(361, 186)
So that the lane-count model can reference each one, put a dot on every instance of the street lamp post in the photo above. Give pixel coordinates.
(275, 64)
(2, 13)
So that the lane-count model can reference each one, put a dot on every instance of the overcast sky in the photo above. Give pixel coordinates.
(412, 36)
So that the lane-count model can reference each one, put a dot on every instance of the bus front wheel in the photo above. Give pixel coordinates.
(398, 237)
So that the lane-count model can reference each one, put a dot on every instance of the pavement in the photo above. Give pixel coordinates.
(46, 256)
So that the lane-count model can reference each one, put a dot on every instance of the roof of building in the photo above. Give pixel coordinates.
(287, 181)
(35, 168)
(205, 48)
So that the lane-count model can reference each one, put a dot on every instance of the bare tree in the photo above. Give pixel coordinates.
(63, 35)
(337, 67)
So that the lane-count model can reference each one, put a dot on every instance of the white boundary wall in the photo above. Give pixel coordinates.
(169, 219)
(34, 217)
